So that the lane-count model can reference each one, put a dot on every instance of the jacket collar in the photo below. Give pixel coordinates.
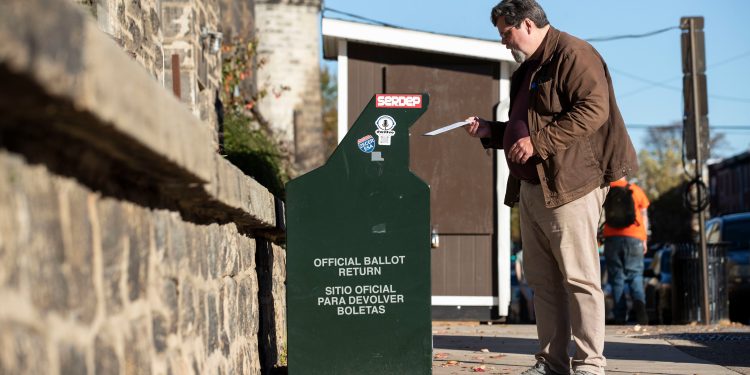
(550, 44)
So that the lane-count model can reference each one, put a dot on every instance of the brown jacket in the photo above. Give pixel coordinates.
(575, 125)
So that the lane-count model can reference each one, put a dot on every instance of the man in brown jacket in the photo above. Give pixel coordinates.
(565, 140)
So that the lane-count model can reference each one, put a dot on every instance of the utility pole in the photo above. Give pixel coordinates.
(695, 129)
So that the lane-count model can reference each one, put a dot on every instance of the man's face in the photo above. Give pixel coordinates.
(512, 38)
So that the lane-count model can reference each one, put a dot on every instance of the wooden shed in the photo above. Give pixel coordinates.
(463, 76)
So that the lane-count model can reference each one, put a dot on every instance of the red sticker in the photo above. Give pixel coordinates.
(398, 101)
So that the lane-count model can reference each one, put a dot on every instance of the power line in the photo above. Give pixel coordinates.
(326, 9)
(631, 36)
(711, 127)
(601, 39)
(652, 84)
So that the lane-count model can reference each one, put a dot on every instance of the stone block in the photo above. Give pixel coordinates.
(200, 319)
(196, 251)
(212, 339)
(159, 332)
(106, 360)
(228, 250)
(137, 354)
(160, 220)
(177, 21)
(27, 349)
(212, 251)
(154, 22)
(253, 201)
(169, 297)
(14, 228)
(139, 233)
(112, 231)
(247, 303)
(187, 309)
(177, 245)
(246, 249)
(79, 253)
(230, 305)
(40, 256)
(72, 359)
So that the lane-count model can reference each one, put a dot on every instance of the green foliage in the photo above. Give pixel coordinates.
(248, 143)
(329, 92)
(660, 167)
(662, 177)
(254, 152)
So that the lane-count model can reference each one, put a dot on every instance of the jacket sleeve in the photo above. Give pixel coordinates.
(497, 129)
(584, 88)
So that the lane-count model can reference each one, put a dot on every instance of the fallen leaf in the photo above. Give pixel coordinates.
(485, 350)
(478, 369)
(451, 363)
(441, 355)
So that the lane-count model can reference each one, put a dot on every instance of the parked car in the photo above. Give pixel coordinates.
(733, 231)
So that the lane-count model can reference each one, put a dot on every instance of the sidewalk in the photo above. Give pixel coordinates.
(461, 348)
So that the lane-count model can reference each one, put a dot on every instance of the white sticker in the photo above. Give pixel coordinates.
(385, 130)
(375, 156)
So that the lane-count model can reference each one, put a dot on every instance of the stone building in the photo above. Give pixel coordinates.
(289, 43)
(127, 243)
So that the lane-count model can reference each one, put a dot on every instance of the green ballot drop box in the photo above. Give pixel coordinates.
(358, 252)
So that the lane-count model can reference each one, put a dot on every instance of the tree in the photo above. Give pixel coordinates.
(663, 176)
(329, 91)
(660, 161)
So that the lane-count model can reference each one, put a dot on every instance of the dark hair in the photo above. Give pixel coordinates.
(515, 11)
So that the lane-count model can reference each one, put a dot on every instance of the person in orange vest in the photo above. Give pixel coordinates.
(625, 243)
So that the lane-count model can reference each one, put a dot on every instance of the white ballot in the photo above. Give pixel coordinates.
(447, 128)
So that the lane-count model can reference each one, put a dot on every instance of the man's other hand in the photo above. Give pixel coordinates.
(477, 127)
(521, 151)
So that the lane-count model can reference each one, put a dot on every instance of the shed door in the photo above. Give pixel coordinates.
(459, 171)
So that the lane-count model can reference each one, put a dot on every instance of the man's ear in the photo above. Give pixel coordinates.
(529, 25)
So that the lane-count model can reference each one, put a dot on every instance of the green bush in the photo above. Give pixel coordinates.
(254, 152)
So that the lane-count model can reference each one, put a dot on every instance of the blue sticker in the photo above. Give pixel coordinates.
(366, 144)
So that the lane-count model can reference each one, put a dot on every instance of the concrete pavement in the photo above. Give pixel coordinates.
(509, 349)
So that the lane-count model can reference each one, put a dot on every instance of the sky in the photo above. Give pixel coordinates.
(635, 64)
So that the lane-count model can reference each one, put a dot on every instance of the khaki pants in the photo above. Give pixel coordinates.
(561, 263)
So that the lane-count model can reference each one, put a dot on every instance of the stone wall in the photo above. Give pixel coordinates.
(95, 283)
(135, 26)
(186, 24)
(151, 31)
(127, 244)
(291, 76)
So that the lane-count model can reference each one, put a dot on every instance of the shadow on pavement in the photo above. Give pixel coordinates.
(728, 349)
(612, 350)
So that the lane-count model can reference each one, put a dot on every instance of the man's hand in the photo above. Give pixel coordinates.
(477, 127)
(645, 248)
(521, 151)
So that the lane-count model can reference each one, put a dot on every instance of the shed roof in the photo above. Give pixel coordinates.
(335, 30)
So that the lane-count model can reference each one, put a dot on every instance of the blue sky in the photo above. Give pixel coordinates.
(634, 63)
